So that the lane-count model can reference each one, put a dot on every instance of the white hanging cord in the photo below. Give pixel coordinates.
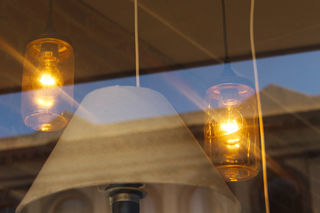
(136, 41)
(262, 139)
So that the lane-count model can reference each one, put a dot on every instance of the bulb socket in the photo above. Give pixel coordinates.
(49, 49)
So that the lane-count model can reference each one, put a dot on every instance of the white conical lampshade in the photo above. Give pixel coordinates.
(127, 135)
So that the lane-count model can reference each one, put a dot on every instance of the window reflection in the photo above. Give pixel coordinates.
(290, 98)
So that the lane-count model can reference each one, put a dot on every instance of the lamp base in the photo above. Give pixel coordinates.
(125, 198)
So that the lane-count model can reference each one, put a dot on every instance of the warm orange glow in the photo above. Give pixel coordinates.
(230, 132)
(47, 79)
(228, 127)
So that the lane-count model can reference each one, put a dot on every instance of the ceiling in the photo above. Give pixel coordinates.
(173, 34)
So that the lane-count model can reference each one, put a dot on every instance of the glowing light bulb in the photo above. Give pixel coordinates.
(47, 79)
(231, 132)
(229, 127)
(49, 74)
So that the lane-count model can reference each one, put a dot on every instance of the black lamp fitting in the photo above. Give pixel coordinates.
(125, 198)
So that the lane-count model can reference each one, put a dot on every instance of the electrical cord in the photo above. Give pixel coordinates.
(256, 81)
(136, 41)
(225, 32)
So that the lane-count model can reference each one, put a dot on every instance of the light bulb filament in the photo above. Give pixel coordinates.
(229, 127)
(47, 80)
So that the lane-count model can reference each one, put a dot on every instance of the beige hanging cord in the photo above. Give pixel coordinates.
(262, 139)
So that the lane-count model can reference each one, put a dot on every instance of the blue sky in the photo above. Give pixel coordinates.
(184, 88)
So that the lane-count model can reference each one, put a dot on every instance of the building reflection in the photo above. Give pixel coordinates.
(292, 133)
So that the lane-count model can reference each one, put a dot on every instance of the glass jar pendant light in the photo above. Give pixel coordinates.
(47, 82)
(231, 131)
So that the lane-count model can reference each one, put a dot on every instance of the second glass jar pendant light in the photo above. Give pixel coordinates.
(231, 130)
(47, 82)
